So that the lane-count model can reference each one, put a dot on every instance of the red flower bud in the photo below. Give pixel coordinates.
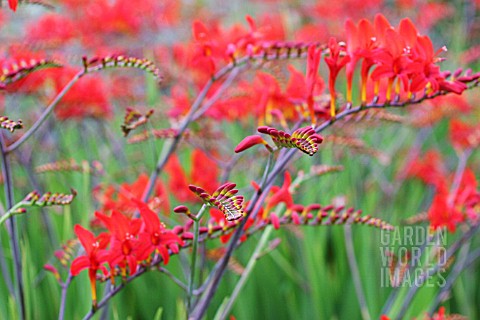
(249, 142)
(275, 221)
(181, 209)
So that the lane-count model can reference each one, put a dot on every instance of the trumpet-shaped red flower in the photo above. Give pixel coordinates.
(205, 47)
(95, 256)
(124, 233)
(361, 42)
(335, 64)
(394, 59)
(313, 61)
(450, 209)
(442, 213)
(155, 237)
(425, 73)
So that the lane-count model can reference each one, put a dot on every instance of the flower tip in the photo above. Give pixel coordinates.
(317, 138)
(249, 142)
(263, 129)
(275, 221)
(187, 236)
(181, 209)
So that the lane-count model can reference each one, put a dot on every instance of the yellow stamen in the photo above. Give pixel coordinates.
(389, 89)
(397, 86)
(364, 92)
(332, 105)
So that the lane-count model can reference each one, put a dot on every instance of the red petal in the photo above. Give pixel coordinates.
(13, 4)
(87, 239)
(79, 264)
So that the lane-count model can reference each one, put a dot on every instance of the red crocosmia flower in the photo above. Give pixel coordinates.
(203, 55)
(268, 96)
(87, 97)
(392, 63)
(313, 61)
(218, 218)
(178, 183)
(380, 25)
(429, 168)
(124, 233)
(361, 42)
(154, 237)
(468, 196)
(95, 256)
(298, 91)
(204, 170)
(52, 29)
(425, 72)
(409, 33)
(335, 64)
(443, 213)
(448, 210)
(13, 4)
(463, 135)
(121, 200)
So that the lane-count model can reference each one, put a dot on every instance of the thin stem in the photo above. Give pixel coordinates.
(46, 218)
(173, 278)
(452, 277)
(418, 282)
(352, 261)
(170, 146)
(12, 227)
(44, 115)
(63, 301)
(196, 238)
(267, 169)
(251, 210)
(218, 94)
(462, 165)
(6, 272)
(393, 295)
(10, 213)
(248, 269)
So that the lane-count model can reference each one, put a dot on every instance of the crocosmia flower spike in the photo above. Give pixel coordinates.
(305, 139)
(225, 198)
